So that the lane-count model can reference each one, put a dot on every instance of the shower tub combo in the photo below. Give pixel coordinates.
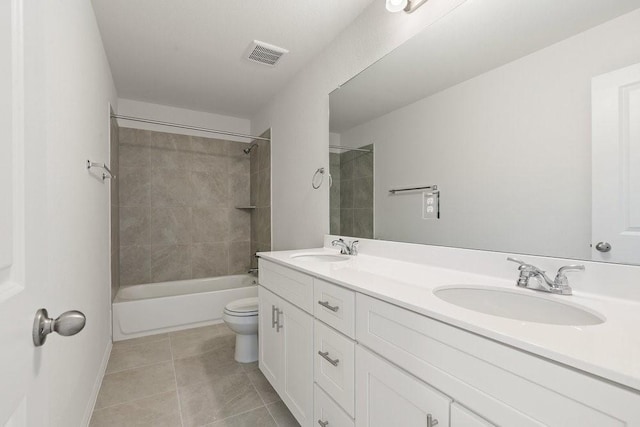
(154, 308)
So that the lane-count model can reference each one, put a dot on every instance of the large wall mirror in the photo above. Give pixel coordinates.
(510, 125)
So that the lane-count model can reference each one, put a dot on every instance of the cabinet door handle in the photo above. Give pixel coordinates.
(325, 356)
(431, 422)
(326, 304)
(323, 423)
(274, 322)
(278, 325)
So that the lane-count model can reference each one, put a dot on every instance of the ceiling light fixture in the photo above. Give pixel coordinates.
(408, 6)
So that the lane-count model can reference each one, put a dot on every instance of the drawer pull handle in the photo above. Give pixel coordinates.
(278, 324)
(323, 423)
(326, 304)
(431, 422)
(274, 322)
(325, 356)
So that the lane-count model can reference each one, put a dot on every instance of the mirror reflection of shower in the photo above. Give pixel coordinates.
(248, 150)
(351, 194)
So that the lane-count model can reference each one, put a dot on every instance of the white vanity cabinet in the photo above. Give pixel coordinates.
(386, 396)
(360, 361)
(286, 343)
(462, 417)
(503, 385)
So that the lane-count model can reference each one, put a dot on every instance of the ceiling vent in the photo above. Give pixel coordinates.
(264, 53)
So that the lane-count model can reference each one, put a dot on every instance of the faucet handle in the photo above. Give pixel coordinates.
(354, 247)
(516, 260)
(561, 278)
(572, 267)
(524, 266)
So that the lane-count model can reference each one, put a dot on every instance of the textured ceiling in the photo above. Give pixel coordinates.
(189, 53)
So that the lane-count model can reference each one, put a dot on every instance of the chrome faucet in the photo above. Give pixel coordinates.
(350, 248)
(559, 285)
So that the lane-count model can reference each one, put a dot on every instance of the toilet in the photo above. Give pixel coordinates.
(241, 316)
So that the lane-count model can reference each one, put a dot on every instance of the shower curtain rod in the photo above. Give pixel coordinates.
(339, 147)
(181, 126)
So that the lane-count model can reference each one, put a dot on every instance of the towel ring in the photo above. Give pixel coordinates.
(320, 172)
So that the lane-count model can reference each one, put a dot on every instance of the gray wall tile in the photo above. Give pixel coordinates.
(135, 186)
(170, 225)
(239, 257)
(134, 225)
(210, 188)
(239, 225)
(210, 259)
(135, 265)
(177, 201)
(170, 262)
(210, 225)
(133, 156)
(363, 192)
(363, 223)
(114, 227)
(129, 136)
(346, 193)
(264, 188)
(171, 187)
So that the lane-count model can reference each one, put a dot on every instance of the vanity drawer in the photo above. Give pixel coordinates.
(328, 411)
(334, 365)
(499, 383)
(335, 306)
(295, 287)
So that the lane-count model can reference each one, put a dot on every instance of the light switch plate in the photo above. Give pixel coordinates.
(431, 205)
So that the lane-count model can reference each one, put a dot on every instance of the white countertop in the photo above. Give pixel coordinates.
(610, 350)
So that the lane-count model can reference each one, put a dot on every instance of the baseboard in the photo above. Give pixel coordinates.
(96, 386)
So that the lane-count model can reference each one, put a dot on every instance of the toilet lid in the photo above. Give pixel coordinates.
(243, 307)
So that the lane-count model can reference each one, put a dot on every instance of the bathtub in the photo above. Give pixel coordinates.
(154, 308)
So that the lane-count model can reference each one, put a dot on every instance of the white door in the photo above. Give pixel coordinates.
(616, 166)
(297, 386)
(271, 353)
(387, 396)
(23, 397)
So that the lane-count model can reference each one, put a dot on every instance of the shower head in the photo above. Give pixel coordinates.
(248, 150)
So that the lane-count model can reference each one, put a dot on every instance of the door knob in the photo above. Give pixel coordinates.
(603, 247)
(67, 324)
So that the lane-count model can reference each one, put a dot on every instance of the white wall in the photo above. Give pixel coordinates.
(510, 150)
(299, 117)
(78, 88)
(128, 107)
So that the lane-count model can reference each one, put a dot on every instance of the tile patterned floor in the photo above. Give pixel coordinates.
(186, 379)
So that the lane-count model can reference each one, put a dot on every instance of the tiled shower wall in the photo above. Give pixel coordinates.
(334, 194)
(261, 197)
(178, 198)
(115, 207)
(352, 193)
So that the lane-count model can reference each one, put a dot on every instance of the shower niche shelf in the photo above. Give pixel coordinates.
(245, 207)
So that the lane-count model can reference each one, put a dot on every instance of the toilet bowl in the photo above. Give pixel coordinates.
(241, 316)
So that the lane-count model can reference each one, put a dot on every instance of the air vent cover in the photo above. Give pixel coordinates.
(264, 53)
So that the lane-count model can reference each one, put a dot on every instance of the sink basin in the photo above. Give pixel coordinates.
(518, 305)
(321, 257)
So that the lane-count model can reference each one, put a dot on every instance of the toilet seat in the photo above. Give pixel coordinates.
(244, 307)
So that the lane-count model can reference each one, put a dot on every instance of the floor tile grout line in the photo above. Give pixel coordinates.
(175, 379)
(138, 367)
(127, 344)
(133, 400)
(238, 414)
(272, 417)
(254, 387)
